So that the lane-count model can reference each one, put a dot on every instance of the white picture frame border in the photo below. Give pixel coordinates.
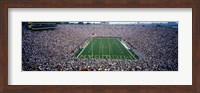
(181, 77)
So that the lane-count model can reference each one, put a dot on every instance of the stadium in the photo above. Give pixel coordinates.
(99, 46)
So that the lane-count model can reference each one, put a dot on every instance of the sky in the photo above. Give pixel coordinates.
(135, 22)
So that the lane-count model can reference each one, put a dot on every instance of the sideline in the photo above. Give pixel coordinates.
(84, 48)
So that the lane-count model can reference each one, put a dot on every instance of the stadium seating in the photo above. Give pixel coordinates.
(55, 49)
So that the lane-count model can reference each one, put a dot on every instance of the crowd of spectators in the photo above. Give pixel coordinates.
(54, 50)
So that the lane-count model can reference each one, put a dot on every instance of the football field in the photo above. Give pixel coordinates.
(106, 48)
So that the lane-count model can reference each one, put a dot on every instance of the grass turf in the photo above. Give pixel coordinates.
(106, 48)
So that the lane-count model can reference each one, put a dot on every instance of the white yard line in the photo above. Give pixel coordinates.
(125, 48)
(84, 48)
(108, 47)
(101, 47)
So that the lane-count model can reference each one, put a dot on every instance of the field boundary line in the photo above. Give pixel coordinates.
(126, 49)
(84, 48)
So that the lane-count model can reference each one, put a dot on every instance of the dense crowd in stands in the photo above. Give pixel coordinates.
(54, 50)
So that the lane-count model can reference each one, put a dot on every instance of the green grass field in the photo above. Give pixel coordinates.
(106, 48)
